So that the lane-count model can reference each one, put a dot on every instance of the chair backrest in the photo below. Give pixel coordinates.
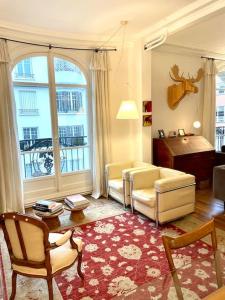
(26, 238)
(186, 239)
(141, 164)
(167, 172)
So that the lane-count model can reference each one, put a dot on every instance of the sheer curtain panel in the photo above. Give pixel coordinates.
(101, 126)
(11, 192)
(209, 101)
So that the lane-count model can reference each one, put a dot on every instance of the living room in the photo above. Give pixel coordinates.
(71, 65)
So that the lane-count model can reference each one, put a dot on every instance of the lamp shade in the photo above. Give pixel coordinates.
(196, 124)
(128, 110)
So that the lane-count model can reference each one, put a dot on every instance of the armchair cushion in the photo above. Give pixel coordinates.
(146, 196)
(116, 184)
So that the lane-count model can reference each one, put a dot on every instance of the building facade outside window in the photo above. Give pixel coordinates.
(28, 102)
(70, 131)
(24, 69)
(69, 101)
(30, 133)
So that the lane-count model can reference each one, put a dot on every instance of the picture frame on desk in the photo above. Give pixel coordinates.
(161, 134)
(181, 132)
(172, 133)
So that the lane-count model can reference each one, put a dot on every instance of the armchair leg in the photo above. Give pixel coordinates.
(14, 277)
(50, 288)
(79, 265)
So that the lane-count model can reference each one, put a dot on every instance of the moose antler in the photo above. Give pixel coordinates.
(175, 71)
(198, 77)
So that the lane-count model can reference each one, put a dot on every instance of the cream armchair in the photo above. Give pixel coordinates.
(37, 253)
(117, 179)
(162, 194)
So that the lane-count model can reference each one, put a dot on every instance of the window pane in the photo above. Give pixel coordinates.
(32, 69)
(67, 73)
(34, 130)
(73, 129)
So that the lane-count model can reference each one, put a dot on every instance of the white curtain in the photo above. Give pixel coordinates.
(101, 124)
(209, 101)
(11, 194)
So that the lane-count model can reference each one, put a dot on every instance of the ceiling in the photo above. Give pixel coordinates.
(85, 17)
(206, 35)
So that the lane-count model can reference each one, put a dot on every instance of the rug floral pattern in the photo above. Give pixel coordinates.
(124, 252)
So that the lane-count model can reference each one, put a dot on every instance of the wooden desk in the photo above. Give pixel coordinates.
(190, 154)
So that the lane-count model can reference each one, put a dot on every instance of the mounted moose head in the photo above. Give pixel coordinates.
(176, 92)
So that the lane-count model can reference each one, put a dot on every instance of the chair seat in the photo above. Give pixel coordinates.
(61, 257)
(116, 184)
(146, 196)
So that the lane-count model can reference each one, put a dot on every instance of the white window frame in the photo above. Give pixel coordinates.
(52, 91)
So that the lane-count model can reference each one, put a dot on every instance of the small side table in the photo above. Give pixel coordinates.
(52, 221)
(76, 214)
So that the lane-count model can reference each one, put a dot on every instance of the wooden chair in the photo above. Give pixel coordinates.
(185, 240)
(36, 253)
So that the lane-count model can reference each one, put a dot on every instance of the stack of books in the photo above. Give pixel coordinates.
(45, 208)
(76, 201)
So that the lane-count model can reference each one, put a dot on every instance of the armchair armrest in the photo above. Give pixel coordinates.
(68, 236)
(144, 178)
(114, 170)
(175, 182)
(63, 239)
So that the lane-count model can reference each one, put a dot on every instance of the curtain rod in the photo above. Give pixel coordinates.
(50, 46)
(213, 58)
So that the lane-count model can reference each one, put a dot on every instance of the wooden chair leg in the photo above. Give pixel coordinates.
(14, 276)
(50, 288)
(79, 265)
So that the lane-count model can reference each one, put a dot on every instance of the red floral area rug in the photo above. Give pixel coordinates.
(124, 252)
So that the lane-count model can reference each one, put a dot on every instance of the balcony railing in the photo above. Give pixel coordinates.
(220, 137)
(24, 76)
(29, 111)
(37, 156)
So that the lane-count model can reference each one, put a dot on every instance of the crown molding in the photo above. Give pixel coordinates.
(188, 15)
(38, 35)
(177, 49)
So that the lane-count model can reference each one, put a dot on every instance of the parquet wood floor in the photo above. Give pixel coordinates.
(207, 207)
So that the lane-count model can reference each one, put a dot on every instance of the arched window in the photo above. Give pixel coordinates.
(52, 116)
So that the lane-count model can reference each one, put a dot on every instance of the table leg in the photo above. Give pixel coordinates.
(52, 223)
(77, 215)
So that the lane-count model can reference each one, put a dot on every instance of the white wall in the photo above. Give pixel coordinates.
(190, 108)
